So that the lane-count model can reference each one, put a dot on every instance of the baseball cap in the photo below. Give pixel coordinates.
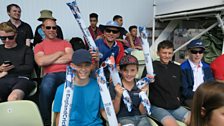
(81, 56)
(128, 59)
(217, 67)
(196, 44)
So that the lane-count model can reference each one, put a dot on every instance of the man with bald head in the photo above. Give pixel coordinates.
(52, 54)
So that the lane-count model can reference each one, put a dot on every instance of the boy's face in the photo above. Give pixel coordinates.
(134, 32)
(196, 54)
(111, 34)
(93, 22)
(82, 70)
(129, 72)
(165, 55)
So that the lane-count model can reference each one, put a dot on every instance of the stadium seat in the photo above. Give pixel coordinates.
(141, 60)
(20, 113)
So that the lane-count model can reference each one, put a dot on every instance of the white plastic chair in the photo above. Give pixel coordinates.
(20, 113)
(141, 60)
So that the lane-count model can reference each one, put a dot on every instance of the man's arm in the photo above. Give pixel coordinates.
(44, 60)
(66, 57)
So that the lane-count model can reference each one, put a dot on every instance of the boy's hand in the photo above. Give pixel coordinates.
(119, 90)
(151, 77)
(94, 54)
(145, 88)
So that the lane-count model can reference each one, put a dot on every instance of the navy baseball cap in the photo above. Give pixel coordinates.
(196, 44)
(81, 56)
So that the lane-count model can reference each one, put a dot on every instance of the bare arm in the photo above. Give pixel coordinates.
(103, 114)
(131, 40)
(142, 109)
(44, 60)
(117, 100)
(66, 57)
(57, 118)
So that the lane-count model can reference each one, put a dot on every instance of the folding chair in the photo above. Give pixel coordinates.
(20, 113)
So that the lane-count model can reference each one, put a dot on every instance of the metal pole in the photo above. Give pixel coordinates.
(153, 22)
(197, 36)
(221, 24)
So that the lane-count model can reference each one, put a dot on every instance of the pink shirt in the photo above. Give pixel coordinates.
(49, 47)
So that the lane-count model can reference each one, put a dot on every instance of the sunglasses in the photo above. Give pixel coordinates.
(51, 27)
(197, 51)
(9, 37)
(110, 30)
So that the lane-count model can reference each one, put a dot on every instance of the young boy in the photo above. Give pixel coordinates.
(165, 91)
(128, 70)
(87, 104)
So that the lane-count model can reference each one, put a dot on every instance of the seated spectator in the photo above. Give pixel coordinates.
(137, 117)
(218, 69)
(164, 93)
(24, 31)
(194, 71)
(93, 29)
(123, 31)
(208, 105)
(39, 34)
(109, 44)
(16, 66)
(87, 103)
(52, 54)
(137, 40)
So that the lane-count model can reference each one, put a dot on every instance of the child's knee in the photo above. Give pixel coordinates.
(16, 94)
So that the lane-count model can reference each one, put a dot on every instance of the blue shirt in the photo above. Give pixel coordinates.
(105, 50)
(86, 104)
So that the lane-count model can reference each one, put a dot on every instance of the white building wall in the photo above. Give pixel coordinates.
(138, 12)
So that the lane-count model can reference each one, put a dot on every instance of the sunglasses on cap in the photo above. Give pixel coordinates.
(110, 30)
(9, 37)
(51, 27)
(197, 51)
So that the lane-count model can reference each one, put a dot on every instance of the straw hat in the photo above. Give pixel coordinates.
(45, 14)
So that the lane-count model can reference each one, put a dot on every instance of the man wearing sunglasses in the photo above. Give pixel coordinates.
(16, 66)
(39, 34)
(52, 54)
(194, 71)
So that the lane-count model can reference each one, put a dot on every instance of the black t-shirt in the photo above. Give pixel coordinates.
(24, 32)
(22, 58)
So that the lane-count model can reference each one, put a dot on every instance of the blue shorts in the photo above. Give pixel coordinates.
(160, 114)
